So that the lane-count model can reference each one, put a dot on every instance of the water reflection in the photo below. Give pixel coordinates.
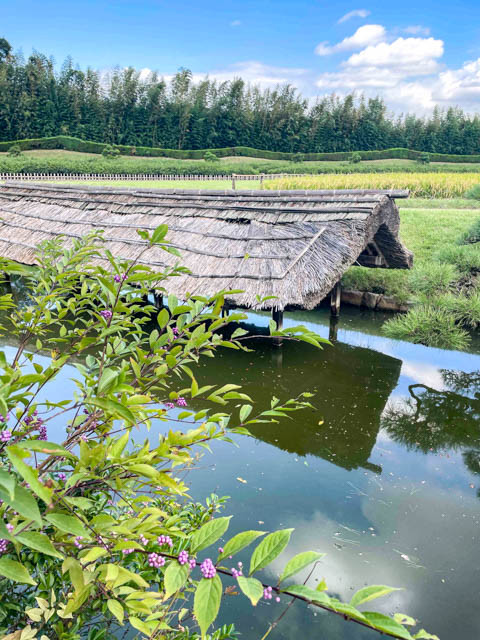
(351, 387)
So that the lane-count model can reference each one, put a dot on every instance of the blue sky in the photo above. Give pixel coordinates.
(414, 53)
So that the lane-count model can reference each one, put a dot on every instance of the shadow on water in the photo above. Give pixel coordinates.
(351, 387)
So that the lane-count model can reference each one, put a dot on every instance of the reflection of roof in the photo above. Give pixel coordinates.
(351, 386)
(294, 245)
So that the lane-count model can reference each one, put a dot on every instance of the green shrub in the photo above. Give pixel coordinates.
(465, 309)
(210, 157)
(465, 258)
(76, 144)
(428, 325)
(386, 281)
(473, 193)
(432, 278)
(15, 151)
(424, 158)
(471, 236)
(298, 157)
(355, 158)
(110, 152)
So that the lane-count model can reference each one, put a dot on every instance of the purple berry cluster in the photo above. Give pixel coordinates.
(267, 593)
(208, 569)
(183, 557)
(62, 476)
(156, 561)
(5, 435)
(37, 423)
(126, 552)
(10, 527)
(78, 542)
(237, 572)
(106, 313)
(143, 540)
(161, 540)
(3, 546)
(120, 278)
(169, 405)
(181, 402)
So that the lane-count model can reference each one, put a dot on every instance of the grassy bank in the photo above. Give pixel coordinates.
(64, 162)
(444, 283)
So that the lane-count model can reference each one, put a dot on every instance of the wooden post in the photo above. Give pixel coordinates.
(277, 317)
(158, 300)
(233, 181)
(262, 176)
(333, 328)
(335, 298)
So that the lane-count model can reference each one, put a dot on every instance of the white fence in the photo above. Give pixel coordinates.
(71, 177)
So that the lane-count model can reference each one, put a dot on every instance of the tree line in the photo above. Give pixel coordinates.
(124, 107)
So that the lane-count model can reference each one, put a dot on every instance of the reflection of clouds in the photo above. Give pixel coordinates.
(424, 540)
(423, 373)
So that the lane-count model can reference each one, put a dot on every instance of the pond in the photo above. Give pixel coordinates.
(383, 476)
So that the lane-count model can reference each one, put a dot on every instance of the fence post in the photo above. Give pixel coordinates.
(262, 175)
(233, 181)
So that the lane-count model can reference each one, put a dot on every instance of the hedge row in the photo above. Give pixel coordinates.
(75, 144)
(125, 165)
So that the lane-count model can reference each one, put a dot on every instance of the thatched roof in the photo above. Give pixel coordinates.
(294, 245)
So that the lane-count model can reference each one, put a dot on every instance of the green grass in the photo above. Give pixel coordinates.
(444, 284)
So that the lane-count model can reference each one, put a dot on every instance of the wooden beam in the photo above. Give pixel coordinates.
(364, 260)
(333, 328)
(335, 298)
(277, 317)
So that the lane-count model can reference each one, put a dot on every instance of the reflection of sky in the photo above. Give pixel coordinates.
(415, 525)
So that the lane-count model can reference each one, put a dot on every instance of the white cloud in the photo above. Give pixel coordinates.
(460, 85)
(409, 56)
(356, 13)
(417, 30)
(235, 23)
(368, 34)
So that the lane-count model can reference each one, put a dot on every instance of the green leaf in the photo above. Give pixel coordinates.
(299, 562)
(384, 623)
(116, 609)
(42, 446)
(245, 411)
(402, 618)
(23, 502)
(239, 542)
(39, 542)
(207, 602)
(29, 474)
(209, 533)
(309, 594)
(175, 577)
(269, 548)
(347, 610)
(109, 376)
(252, 588)
(370, 593)
(424, 635)
(163, 318)
(68, 524)
(15, 571)
(7, 480)
(159, 234)
(93, 554)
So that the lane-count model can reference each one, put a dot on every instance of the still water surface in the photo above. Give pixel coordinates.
(383, 476)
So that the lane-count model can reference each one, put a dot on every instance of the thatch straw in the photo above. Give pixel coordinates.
(294, 245)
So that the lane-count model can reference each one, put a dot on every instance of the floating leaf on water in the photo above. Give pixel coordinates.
(242, 480)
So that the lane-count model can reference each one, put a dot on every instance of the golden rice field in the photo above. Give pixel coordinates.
(421, 185)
